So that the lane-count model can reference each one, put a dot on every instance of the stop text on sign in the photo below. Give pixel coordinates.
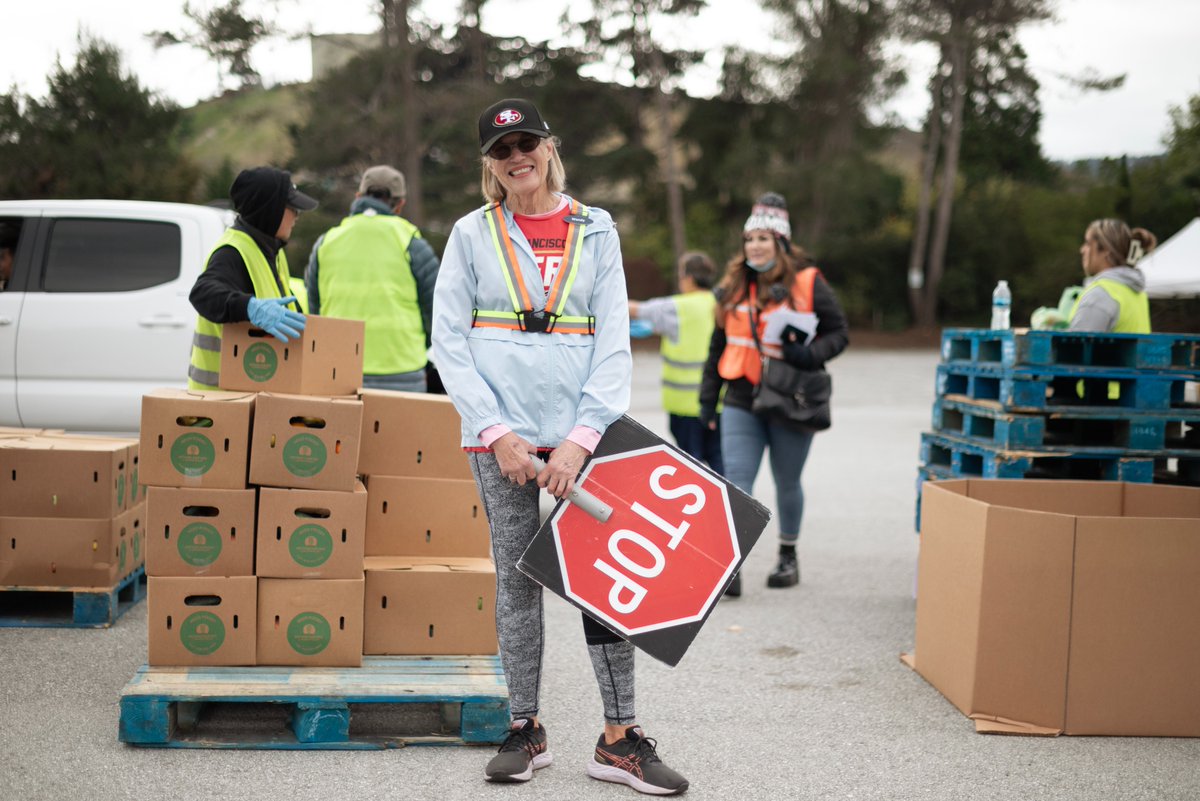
(665, 554)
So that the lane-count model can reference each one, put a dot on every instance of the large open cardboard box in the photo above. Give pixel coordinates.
(327, 359)
(1062, 607)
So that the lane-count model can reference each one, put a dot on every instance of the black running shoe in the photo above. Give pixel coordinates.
(734, 590)
(523, 752)
(633, 760)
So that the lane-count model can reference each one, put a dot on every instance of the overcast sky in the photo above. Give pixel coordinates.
(1153, 41)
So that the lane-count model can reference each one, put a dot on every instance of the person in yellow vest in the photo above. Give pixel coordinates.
(246, 274)
(1114, 294)
(771, 276)
(685, 322)
(375, 266)
(300, 291)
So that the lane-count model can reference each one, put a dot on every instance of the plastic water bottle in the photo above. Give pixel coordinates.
(1001, 305)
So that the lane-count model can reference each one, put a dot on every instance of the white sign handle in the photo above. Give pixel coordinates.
(586, 501)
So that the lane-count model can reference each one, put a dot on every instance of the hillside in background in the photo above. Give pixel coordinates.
(244, 128)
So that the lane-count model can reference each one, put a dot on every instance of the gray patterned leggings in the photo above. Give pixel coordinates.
(512, 513)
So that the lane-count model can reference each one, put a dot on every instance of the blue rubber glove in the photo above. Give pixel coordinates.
(640, 329)
(273, 316)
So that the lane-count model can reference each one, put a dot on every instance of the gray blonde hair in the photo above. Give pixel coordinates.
(556, 176)
(1118, 243)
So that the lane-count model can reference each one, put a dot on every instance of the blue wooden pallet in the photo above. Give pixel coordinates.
(389, 702)
(1040, 389)
(1094, 427)
(965, 459)
(70, 607)
(1066, 348)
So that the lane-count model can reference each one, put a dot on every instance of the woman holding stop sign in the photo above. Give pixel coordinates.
(776, 316)
(531, 338)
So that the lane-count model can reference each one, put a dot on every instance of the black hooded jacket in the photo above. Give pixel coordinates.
(222, 292)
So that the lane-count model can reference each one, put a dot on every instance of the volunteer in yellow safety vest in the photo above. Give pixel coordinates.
(375, 266)
(685, 323)
(246, 275)
(1114, 295)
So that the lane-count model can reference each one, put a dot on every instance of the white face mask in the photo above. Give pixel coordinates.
(760, 268)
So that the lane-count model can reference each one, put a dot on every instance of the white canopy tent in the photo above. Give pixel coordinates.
(1173, 269)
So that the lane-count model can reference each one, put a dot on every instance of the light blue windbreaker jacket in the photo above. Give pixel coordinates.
(539, 385)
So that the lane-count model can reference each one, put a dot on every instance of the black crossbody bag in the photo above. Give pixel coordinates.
(787, 393)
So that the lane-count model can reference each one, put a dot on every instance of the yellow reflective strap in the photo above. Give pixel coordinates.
(557, 301)
(507, 257)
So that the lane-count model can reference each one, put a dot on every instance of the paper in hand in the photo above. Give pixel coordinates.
(782, 318)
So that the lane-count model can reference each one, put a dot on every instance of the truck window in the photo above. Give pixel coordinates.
(110, 255)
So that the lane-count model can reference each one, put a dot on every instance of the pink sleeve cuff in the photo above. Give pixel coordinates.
(584, 437)
(492, 433)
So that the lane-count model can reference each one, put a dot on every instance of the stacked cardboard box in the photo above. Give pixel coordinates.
(256, 513)
(430, 581)
(73, 510)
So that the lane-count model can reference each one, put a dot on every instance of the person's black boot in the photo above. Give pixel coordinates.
(787, 572)
(734, 590)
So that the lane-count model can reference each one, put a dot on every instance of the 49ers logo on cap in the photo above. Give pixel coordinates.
(510, 116)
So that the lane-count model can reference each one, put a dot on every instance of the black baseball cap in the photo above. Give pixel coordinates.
(505, 117)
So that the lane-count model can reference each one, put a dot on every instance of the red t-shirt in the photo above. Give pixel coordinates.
(547, 234)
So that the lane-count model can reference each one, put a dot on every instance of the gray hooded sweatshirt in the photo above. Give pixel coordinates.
(1097, 310)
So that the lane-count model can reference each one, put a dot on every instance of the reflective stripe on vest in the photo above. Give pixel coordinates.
(364, 273)
(204, 370)
(1133, 315)
(741, 358)
(524, 317)
(683, 359)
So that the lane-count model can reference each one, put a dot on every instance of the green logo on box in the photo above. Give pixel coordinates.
(202, 633)
(121, 490)
(308, 633)
(304, 455)
(133, 487)
(193, 455)
(199, 544)
(310, 545)
(121, 558)
(137, 546)
(260, 362)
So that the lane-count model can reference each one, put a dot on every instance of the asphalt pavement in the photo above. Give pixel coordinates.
(785, 694)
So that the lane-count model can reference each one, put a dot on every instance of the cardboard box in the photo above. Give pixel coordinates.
(327, 359)
(66, 476)
(425, 517)
(306, 442)
(1062, 607)
(311, 533)
(411, 434)
(200, 532)
(58, 552)
(196, 439)
(202, 621)
(417, 605)
(315, 622)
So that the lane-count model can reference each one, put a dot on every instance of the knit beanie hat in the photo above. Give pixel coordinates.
(770, 213)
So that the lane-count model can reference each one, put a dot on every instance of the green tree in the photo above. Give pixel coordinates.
(227, 33)
(97, 133)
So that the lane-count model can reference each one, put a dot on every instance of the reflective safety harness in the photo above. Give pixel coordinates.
(550, 318)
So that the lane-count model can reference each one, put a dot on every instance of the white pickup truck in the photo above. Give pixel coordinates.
(96, 311)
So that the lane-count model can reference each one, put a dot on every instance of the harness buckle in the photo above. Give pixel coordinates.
(537, 322)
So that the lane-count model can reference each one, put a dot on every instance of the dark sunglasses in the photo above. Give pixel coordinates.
(526, 144)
